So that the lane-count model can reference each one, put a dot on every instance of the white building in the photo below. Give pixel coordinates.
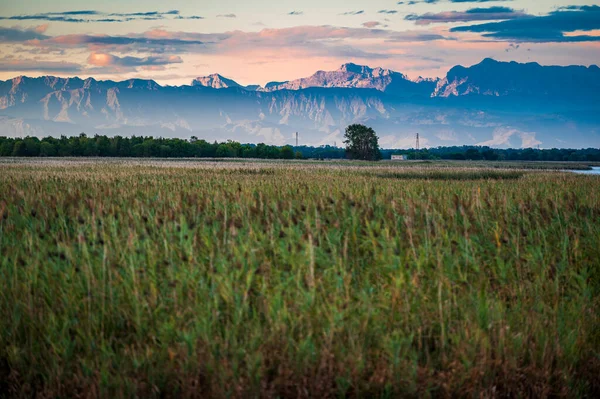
(399, 158)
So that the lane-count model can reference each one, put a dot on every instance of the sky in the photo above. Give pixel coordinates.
(254, 42)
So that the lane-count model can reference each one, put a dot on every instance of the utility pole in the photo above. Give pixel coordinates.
(417, 147)
(296, 139)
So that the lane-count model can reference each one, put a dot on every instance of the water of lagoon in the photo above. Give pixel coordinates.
(595, 171)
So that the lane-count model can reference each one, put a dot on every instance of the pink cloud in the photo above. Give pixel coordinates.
(371, 24)
(100, 59)
(41, 28)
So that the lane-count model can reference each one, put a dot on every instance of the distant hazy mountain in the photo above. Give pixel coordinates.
(493, 78)
(270, 85)
(215, 81)
(360, 77)
(492, 103)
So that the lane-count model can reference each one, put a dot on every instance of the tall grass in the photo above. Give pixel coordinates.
(238, 280)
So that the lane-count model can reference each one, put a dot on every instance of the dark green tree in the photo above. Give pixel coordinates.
(362, 143)
(6, 148)
(248, 151)
(224, 151)
(19, 149)
(473, 154)
(287, 152)
(47, 149)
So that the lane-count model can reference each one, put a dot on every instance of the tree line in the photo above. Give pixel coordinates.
(138, 146)
(475, 153)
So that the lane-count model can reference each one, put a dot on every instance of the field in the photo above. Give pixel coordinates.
(298, 279)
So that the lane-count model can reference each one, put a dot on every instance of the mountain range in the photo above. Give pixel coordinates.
(347, 76)
(503, 104)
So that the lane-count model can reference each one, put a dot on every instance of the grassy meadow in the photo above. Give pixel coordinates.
(297, 279)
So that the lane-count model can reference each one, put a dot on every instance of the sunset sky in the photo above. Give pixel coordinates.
(255, 42)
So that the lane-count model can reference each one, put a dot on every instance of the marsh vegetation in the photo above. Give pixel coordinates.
(233, 279)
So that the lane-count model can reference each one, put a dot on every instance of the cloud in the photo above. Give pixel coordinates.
(41, 28)
(152, 41)
(543, 29)
(387, 12)
(392, 142)
(319, 38)
(446, 135)
(17, 35)
(295, 12)
(473, 14)
(502, 135)
(371, 24)
(84, 16)
(145, 14)
(413, 2)
(101, 63)
(189, 17)
(416, 36)
(106, 60)
(44, 17)
(353, 12)
(19, 65)
(226, 16)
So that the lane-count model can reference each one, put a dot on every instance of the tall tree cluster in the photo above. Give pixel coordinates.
(137, 146)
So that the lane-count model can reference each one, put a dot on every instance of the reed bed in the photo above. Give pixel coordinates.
(261, 279)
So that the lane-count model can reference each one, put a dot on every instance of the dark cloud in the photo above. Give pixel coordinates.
(387, 12)
(353, 12)
(543, 29)
(413, 2)
(82, 16)
(416, 36)
(79, 12)
(473, 14)
(44, 17)
(145, 14)
(295, 12)
(15, 35)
